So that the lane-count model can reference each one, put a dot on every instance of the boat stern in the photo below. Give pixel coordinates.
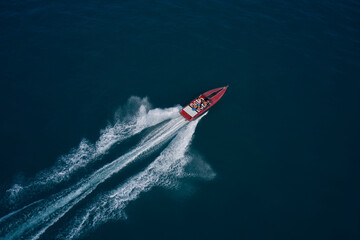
(188, 113)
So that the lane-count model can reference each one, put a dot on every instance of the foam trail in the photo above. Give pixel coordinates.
(170, 164)
(129, 124)
(35, 223)
(19, 210)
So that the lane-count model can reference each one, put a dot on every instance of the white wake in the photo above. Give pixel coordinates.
(161, 172)
(130, 120)
(45, 215)
(31, 221)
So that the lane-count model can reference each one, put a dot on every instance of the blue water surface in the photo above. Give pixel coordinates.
(283, 141)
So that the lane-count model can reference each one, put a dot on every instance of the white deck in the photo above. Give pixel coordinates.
(190, 111)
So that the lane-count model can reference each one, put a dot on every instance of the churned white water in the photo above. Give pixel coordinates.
(130, 120)
(167, 167)
(31, 221)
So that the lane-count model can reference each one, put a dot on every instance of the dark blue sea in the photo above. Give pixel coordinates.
(92, 145)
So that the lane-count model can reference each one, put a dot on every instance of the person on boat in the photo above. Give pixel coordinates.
(204, 104)
(193, 106)
(202, 101)
(194, 103)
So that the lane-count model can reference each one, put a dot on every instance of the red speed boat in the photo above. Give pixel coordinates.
(201, 104)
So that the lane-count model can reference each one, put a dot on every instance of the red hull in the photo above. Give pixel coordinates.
(212, 96)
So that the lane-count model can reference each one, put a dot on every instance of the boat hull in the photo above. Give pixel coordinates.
(212, 97)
